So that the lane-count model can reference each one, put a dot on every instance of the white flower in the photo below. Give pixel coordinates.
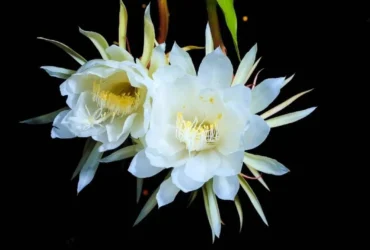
(200, 126)
(108, 100)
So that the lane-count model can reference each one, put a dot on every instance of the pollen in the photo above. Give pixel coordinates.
(116, 104)
(196, 135)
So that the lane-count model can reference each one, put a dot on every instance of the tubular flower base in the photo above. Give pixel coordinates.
(198, 125)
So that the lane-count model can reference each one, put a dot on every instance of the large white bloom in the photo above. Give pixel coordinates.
(200, 126)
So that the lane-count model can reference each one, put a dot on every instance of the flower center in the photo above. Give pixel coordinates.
(118, 101)
(196, 135)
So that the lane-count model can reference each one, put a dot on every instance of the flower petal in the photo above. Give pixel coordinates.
(139, 188)
(283, 105)
(253, 198)
(265, 93)
(240, 211)
(89, 146)
(245, 67)
(265, 164)
(182, 59)
(226, 187)
(67, 49)
(141, 167)
(60, 130)
(122, 30)
(260, 179)
(183, 182)
(216, 70)
(118, 54)
(209, 40)
(213, 210)
(121, 154)
(43, 119)
(230, 164)
(289, 118)
(149, 37)
(167, 192)
(202, 167)
(158, 58)
(98, 40)
(256, 133)
(148, 207)
(58, 72)
(89, 169)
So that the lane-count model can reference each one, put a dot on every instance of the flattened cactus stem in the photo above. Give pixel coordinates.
(214, 24)
(163, 21)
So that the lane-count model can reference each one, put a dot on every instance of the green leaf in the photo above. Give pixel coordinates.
(139, 188)
(148, 207)
(67, 49)
(57, 72)
(43, 119)
(192, 197)
(253, 198)
(240, 211)
(228, 9)
(99, 41)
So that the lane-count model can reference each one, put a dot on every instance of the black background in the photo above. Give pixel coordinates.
(292, 38)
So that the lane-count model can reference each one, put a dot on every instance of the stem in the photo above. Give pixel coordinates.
(163, 21)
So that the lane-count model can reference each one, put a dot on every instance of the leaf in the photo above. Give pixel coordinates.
(257, 174)
(240, 211)
(98, 40)
(148, 207)
(139, 188)
(89, 168)
(122, 30)
(58, 72)
(208, 211)
(283, 105)
(43, 119)
(192, 197)
(289, 118)
(67, 49)
(252, 197)
(213, 209)
(121, 154)
(89, 145)
(149, 37)
(228, 9)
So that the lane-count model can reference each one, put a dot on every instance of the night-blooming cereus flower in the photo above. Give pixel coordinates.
(200, 126)
(108, 99)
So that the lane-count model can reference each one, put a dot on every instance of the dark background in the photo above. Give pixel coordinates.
(292, 38)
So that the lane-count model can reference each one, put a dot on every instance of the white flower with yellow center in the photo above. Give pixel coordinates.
(200, 126)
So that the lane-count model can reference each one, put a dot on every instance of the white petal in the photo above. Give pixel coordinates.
(58, 72)
(119, 127)
(183, 182)
(245, 67)
(289, 118)
(215, 219)
(164, 140)
(226, 188)
(121, 154)
(141, 167)
(167, 75)
(256, 133)
(265, 164)
(98, 40)
(60, 130)
(122, 30)
(240, 96)
(209, 40)
(163, 161)
(231, 164)
(158, 59)
(202, 167)
(216, 70)
(265, 93)
(182, 59)
(167, 192)
(119, 54)
(43, 119)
